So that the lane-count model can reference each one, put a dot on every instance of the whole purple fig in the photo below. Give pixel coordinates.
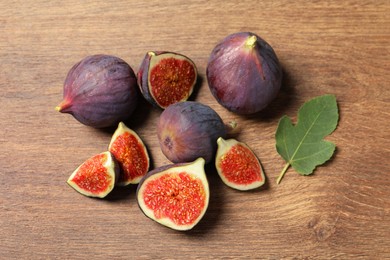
(189, 130)
(243, 73)
(100, 91)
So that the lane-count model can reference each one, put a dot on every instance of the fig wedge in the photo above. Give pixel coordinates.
(237, 165)
(96, 177)
(131, 154)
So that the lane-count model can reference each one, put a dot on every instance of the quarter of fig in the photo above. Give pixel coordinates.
(238, 166)
(96, 177)
(243, 73)
(175, 195)
(165, 78)
(188, 130)
(100, 91)
(131, 154)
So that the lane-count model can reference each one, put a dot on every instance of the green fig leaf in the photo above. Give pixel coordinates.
(302, 145)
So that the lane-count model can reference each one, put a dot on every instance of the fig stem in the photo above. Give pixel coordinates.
(282, 173)
(64, 106)
(232, 128)
(251, 41)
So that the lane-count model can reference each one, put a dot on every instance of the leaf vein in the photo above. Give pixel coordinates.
(306, 133)
(311, 155)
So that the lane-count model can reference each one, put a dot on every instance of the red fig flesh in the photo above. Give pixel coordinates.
(165, 78)
(96, 177)
(243, 73)
(238, 166)
(176, 195)
(189, 130)
(100, 91)
(131, 154)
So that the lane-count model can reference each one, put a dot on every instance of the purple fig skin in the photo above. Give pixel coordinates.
(188, 130)
(100, 91)
(244, 73)
(142, 79)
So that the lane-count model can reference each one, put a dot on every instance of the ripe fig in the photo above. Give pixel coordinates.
(131, 154)
(238, 166)
(188, 130)
(165, 78)
(96, 177)
(243, 73)
(175, 195)
(100, 91)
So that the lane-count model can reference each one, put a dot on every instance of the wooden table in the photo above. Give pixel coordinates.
(341, 211)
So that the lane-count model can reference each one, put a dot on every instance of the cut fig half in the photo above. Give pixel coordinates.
(165, 78)
(238, 166)
(96, 177)
(131, 154)
(175, 195)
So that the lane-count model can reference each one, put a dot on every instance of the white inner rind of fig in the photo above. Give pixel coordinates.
(224, 147)
(109, 164)
(196, 170)
(122, 128)
(156, 58)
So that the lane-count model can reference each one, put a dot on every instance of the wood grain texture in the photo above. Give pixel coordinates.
(339, 47)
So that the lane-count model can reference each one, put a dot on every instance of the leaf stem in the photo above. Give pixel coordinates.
(282, 173)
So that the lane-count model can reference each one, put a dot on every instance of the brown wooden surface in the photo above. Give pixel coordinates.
(339, 47)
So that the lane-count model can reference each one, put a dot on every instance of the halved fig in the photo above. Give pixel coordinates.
(237, 165)
(131, 154)
(96, 177)
(165, 78)
(175, 195)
